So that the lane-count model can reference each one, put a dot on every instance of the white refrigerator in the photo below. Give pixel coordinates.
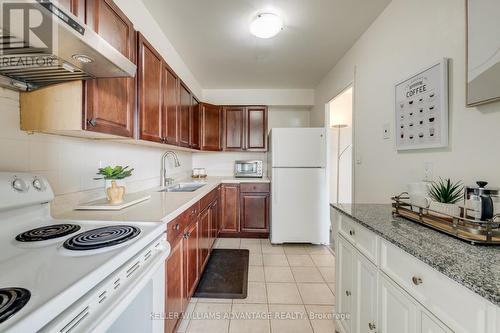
(297, 168)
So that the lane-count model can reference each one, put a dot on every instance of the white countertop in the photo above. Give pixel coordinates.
(162, 206)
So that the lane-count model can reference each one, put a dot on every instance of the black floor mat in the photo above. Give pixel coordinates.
(225, 276)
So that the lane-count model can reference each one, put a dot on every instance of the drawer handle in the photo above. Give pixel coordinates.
(347, 293)
(417, 280)
(371, 326)
(177, 227)
(351, 232)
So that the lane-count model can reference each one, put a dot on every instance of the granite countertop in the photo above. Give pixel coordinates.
(161, 207)
(476, 267)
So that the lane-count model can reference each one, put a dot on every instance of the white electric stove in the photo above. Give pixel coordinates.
(75, 276)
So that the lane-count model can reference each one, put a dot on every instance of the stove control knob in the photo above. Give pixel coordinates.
(38, 184)
(19, 185)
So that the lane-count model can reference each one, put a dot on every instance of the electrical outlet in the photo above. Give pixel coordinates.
(386, 131)
(428, 171)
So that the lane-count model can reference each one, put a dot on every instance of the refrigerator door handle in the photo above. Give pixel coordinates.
(274, 188)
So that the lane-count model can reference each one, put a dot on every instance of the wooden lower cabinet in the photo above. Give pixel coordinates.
(245, 210)
(174, 289)
(204, 248)
(191, 268)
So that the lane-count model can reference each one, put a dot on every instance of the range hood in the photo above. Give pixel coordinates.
(76, 53)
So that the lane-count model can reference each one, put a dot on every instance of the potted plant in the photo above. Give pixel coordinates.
(445, 194)
(114, 185)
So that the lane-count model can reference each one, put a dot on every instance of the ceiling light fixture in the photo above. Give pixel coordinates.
(266, 25)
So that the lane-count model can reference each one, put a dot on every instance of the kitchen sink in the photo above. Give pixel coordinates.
(183, 187)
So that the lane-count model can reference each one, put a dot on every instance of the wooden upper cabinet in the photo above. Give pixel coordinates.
(211, 127)
(195, 119)
(75, 7)
(150, 67)
(234, 125)
(256, 128)
(184, 116)
(110, 103)
(170, 86)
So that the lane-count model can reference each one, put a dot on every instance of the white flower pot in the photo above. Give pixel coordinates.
(445, 208)
(107, 184)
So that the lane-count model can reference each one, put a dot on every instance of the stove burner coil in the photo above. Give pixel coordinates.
(101, 237)
(11, 301)
(47, 232)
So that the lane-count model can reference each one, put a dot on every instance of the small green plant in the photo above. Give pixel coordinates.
(446, 191)
(118, 172)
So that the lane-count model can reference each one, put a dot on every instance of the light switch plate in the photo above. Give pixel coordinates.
(386, 128)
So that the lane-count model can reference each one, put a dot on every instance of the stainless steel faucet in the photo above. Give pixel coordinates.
(164, 180)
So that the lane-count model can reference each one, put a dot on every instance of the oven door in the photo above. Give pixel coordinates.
(130, 300)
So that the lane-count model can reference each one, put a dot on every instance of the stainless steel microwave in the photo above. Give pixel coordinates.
(248, 169)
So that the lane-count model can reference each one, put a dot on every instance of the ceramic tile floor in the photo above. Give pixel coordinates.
(290, 289)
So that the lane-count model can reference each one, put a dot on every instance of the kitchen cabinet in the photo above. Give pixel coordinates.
(191, 245)
(398, 312)
(195, 119)
(211, 118)
(174, 285)
(233, 128)
(150, 67)
(214, 219)
(75, 7)
(170, 104)
(256, 128)
(254, 212)
(205, 226)
(245, 128)
(230, 219)
(365, 295)
(345, 282)
(184, 116)
(110, 103)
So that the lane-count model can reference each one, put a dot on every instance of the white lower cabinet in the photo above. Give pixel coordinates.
(398, 312)
(393, 292)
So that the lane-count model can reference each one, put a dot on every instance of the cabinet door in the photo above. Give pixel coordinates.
(110, 103)
(184, 114)
(256, 128)
(345, 282)
(430, 324)
(397, 311)
(365, 293)
(194, 141)
(234, 126)
(230, 208)
(150, 67)
(214, 222)
(170, 86)
(210, 127)
(204, 236)
(75, 7)
(255, 212)
(174, 288)
(191, 258)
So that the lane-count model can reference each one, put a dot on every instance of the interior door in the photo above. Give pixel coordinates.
(299, 206)
(365, 294)
(397, 311)
(298, 147)
(110, 103)
(345, 278)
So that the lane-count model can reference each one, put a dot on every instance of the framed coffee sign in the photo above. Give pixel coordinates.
(421, 109)
(483, 51)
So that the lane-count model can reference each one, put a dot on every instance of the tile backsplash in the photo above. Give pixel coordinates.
(70, 164)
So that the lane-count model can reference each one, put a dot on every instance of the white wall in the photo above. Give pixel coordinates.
(406, 37)
(270, 97)
(283, 117)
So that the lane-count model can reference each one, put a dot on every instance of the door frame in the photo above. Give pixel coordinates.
(350, 84)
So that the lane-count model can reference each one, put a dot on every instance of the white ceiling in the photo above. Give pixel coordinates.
(213, 39)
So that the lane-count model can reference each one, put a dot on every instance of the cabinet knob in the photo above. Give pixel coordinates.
(417, 280)
(371, 326)
(347, 293)
(177, 227)
(92, 122)
(351, 232)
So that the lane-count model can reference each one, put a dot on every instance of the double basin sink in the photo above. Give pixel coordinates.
(183, 187)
